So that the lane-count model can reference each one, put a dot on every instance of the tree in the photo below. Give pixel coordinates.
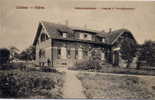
(28, 54)
(147, 52)
(14, 52)
(128, 50)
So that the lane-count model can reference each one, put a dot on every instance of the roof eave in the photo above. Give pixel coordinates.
(37, 34)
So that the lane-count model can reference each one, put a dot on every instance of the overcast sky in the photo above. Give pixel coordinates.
(18, 26)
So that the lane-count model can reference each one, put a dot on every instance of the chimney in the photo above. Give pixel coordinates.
(110, 29)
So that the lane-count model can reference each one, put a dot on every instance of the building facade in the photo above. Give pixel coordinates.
(59, 45)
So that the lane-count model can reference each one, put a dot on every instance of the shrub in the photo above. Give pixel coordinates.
(88, 65)
(48, 69)
(21, 84)
(23, 66)
(93, 63)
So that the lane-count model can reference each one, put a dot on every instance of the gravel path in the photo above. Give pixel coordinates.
(72, 86)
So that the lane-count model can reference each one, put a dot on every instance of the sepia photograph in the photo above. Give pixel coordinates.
(77, 49)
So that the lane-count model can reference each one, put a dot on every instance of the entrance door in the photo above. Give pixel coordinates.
(116, 58)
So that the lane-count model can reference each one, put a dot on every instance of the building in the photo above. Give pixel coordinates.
(59, 45)
(115, 39)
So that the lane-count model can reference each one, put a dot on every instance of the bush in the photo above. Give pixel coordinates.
(93, 62)
(23, 66)
(88, 65)
(48, 69)
(21, 84)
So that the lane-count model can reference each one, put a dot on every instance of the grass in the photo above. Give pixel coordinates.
(119, 70)
(104, 67)
(115, 86)
(19, 83)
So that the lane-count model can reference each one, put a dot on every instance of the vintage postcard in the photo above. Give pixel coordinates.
(77, 49)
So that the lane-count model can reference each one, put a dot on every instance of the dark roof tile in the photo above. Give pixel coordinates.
(53, 28)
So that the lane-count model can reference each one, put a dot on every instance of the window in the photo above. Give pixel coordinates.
(81, 36)
(59, 53)
(68, 53)
(41, 53)
(85, 35)
(85, 53)
(103, 40)
(64, 35)
(80, 53)
(76, 53)
(46, 37)
(102, 55)
(89, 37)
(63, 53)
(43, 37)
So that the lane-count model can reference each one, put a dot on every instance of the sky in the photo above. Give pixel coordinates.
(18, 26)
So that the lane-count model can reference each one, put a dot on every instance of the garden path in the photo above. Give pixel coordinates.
(72, 85)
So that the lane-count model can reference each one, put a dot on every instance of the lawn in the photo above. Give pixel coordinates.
(17, 83)
(94, 66)
(117, 86)
(119, 70)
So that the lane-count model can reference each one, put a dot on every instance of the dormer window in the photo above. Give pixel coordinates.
(64, 35)
(85, 35)
(103, 40)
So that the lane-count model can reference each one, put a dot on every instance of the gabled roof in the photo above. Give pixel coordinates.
(101, 34)
(52, 29)
(55, 28)
(112, 37)
(83, 29)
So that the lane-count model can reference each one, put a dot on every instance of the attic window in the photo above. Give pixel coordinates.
(64, 35)
(85, 35)
(43, 37)
(103, 40)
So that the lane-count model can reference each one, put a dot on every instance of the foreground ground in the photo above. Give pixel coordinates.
(25, 83)
(72, 85)
(102, 85)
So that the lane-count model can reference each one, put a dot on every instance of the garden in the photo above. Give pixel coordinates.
(23, 80)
